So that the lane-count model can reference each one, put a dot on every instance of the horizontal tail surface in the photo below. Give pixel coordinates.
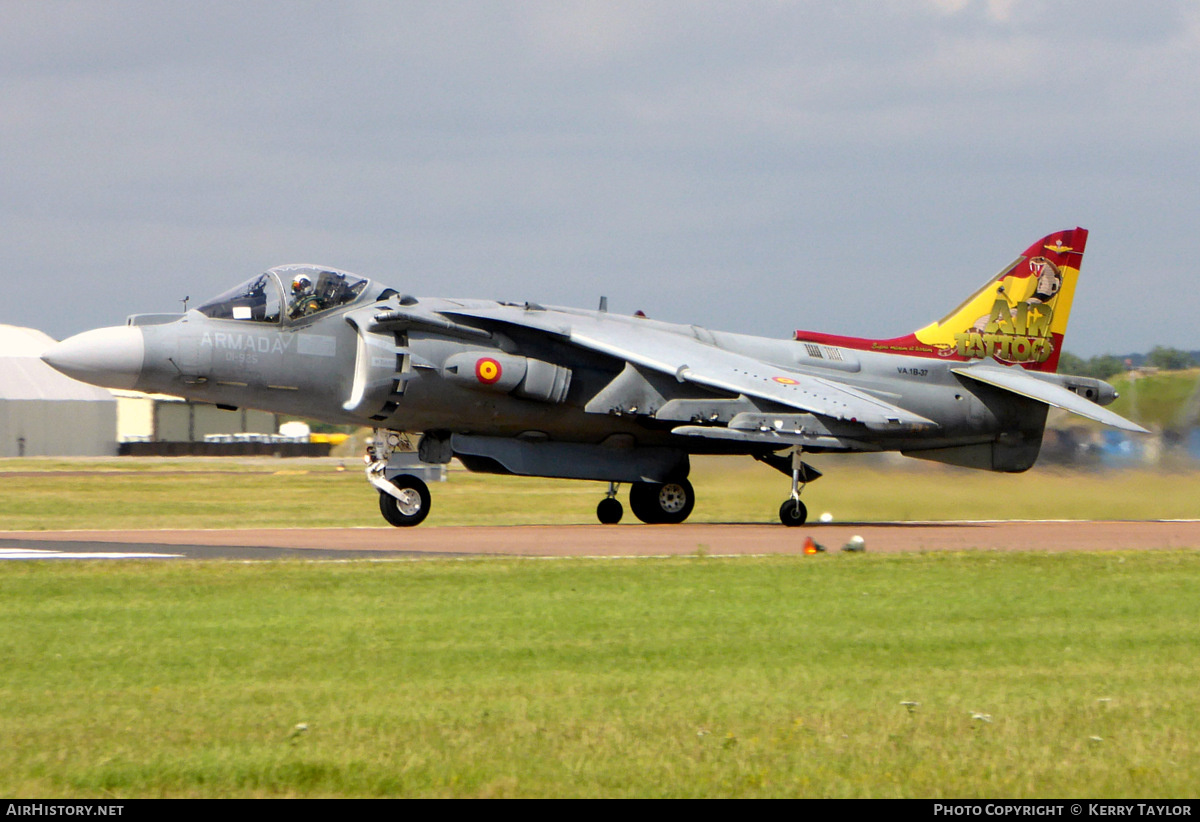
(1019, 316)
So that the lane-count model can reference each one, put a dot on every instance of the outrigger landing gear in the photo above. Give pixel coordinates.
(404, 500)
(667, 503)
(793, 511)
(610, 510)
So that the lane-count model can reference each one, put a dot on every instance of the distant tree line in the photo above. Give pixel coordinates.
(1108, 365)
(1101, 367)
(1170, 359)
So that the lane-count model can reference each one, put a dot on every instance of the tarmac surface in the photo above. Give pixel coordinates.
(627, 540)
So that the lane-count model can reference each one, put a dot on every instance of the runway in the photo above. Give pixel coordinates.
(628, 540)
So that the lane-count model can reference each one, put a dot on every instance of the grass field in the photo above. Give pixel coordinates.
(920, 675)
(199, 493)
(1065, 675)
(1164, 400)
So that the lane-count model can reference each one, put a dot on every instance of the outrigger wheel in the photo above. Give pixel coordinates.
(410, 507)
(793, 512)
(662, 502)
(610, 511)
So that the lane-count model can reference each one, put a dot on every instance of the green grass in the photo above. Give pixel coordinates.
(151, 493)
(686, 677)
(683, 677)
(1167, 399)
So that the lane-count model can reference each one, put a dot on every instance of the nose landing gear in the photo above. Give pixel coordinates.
(407, 504)
(404, 500)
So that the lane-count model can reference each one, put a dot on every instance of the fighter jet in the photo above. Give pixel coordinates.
(533, 390)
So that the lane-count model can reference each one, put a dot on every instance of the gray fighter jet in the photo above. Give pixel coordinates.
(561, 392)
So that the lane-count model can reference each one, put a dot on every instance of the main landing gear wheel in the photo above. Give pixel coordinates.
(793, 512)
(411, 507)
(609, 511)
(662, 503)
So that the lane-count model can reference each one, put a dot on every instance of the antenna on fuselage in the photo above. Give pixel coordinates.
(604, 304)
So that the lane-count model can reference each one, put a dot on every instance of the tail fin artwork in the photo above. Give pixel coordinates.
(1018, 317)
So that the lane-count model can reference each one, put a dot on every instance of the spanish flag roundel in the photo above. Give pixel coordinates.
(487, 370)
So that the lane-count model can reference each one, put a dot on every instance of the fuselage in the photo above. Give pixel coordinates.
(341, 366)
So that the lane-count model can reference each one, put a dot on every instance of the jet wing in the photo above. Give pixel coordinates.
(1019, 381)
(776, 439)
(691, 360)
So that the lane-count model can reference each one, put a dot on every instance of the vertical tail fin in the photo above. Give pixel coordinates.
(1019, 316)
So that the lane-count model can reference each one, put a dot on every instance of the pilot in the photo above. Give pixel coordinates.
(304, 301)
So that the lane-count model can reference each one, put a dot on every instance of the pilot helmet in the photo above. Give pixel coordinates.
(301, 284)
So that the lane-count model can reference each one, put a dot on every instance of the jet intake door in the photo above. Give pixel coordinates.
(381, 369)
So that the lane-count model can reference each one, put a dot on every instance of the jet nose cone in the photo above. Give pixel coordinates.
(111, 357)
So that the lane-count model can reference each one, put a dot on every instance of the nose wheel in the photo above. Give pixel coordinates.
(404, 499)
(407, 503)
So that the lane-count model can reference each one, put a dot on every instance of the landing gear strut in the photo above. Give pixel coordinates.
(404, 500)
(662, 502)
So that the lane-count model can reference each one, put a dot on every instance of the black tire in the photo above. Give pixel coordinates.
(410, 511)
(662, 503)
(793, 512)
(609, 511)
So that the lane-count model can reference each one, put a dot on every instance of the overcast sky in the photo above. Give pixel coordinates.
(850, 167)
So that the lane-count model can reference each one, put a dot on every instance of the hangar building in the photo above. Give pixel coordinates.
(44, 413)
(161, 418)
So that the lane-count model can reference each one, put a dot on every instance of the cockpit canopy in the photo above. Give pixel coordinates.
(289, 291)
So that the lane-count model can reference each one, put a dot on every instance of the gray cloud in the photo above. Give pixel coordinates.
(854, 167)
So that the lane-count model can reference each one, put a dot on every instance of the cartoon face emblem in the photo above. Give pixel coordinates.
(487, 370)
(1049, 279)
